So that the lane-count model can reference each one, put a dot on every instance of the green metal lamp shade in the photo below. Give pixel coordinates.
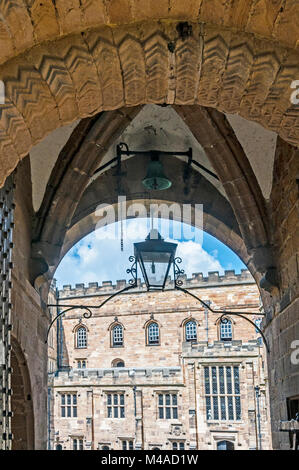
(155, 258)
(155, 179)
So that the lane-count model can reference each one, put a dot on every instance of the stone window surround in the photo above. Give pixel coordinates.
(77, 438)
(111, 329)
(218, 436)
(80, 359)
(218, 323)
(224, 326)
(189, 320)
(167, 392)
(72, 405)
(178, 442)
(231, 364)
(75, 331)
(127, 440)
(119, 406)
(147, 326)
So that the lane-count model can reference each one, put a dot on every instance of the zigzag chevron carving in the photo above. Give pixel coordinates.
(106, 68)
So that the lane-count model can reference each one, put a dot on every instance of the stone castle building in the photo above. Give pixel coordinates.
(79, 77)
(156, 370)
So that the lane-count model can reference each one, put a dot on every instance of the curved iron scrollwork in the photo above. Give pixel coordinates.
(133, 271)
(178, 272)
(225, 320)
(88, 313)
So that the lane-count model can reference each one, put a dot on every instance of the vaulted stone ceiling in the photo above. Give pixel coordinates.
(161, 128)
(233, 204)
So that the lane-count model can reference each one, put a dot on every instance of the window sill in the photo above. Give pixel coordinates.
(224, 421)
(107, 417)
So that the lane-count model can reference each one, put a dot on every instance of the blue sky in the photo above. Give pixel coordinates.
(98, 257)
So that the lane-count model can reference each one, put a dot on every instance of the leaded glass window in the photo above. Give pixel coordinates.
(115, 405)
(78, 444)
(222, 393)
(153, 335)
(117, 336)
(190, 331)
(68, 405)
(226, 331)
(167, 406)
(81, 337)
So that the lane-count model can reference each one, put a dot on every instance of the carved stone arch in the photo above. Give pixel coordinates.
(117, 360)
(115, 323)
(110, 328)
(146, 327)
(217, 322)
(187, 319)
(152, 320)
(75, 330)
(217, 138)
(91, 138)
(185, 322)
(228, 158)
(47, 21)
(21, 401)
(80, 325)
(212, 66)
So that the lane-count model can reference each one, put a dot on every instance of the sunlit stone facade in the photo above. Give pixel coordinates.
(156, 370)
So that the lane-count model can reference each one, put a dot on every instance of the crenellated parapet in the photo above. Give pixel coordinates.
(196, 281)
(222, 348)
(120, 375)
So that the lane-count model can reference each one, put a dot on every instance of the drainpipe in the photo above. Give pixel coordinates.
(142, 419)
(135, 413)
(92, 421)
(49, 417)
(208, 302)
(257, 395)
(195, 404)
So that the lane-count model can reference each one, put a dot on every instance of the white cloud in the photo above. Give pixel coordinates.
(99, 259)
(196, 259)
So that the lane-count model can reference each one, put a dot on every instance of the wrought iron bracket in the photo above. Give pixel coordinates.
(88, 313)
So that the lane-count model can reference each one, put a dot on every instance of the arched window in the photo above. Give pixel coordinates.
(58, 447)
(117, 336)
(81, 337)
(153, 334)
(118, 363)
(225, 445)
(226, 331)
(190, 331)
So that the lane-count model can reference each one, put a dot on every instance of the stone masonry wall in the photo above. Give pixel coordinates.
(282, 327)
(29, 321)
(173, 366)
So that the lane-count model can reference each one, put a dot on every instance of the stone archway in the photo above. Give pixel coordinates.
(21, 401)
(234, 59)
(150, 62)
(64, 213)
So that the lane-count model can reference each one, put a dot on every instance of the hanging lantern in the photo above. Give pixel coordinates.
(155, 258)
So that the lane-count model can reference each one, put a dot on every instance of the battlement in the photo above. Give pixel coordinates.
(218, 348)
(197, 280)
(117, 374)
